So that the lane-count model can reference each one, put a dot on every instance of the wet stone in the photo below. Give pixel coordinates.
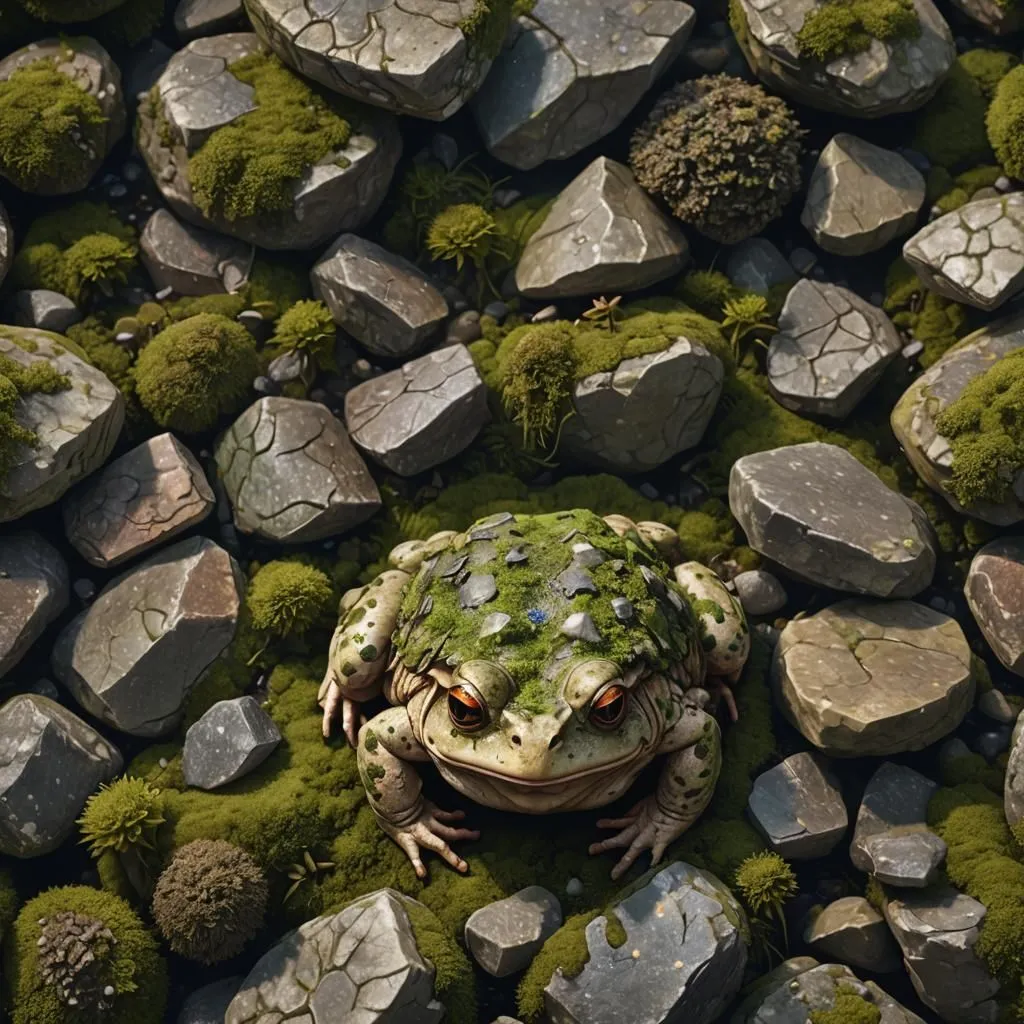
(478, 589)
(229, 741)
(623, 608)
(851, 931)
(1013, 785)
(49, 311)
(995, 594)
(505, 936)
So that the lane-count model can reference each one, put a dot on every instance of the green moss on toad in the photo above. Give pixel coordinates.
(1005, 123)
(838, 27)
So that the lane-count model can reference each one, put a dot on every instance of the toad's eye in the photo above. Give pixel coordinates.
(466, 709)
(609, 708)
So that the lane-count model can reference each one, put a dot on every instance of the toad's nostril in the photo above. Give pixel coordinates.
(555, 740)
(517, 741)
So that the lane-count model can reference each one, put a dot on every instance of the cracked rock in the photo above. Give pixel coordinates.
(291, 473)
(51, 762)
(76, 428)
(196, 94)
(683, 958)
(603, 235)
(420, 415)
(132, 657)
(361, 964)
(830, 350)
(34, 590)
(826, 518)
(995, 594)
(229, 741)
(873, 678)
(39, 307)
(137, 502)
(208, 1004)
(860, 197)
(382, 300)
(505, 936)
(851, 931)
(571, 72)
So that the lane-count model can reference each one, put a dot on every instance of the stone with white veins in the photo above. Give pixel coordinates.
(504, 936)
(851, 931)
(230, 740)
(995, 594)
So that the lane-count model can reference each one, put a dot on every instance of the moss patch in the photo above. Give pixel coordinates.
(17, 381)
(938, 323)
(839, 27)
(1005, 122)
(988, 68)
(950, 128)
(949, 193)
(850, 1007)
(453, 978)
(487, 24)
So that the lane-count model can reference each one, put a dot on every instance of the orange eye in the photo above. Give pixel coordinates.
(466, 709)
(609, 709)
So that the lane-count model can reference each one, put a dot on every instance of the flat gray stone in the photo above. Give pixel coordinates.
(798, 807)
(760, 592)
(995, 594)
(826, 518)
(851, 931)
(134, 654)
(505, 936)
(229, 741)
(137, 502)
(420, 415)
(39, 307)
(34, 590)
(603, 235)
(292, 474)
(830, 350)
(911, 860)
(208, 1004)
(1013, 784)
(571, 72)
(873, 678)
(756, 265)
(860, 197)
(51, 762)
(385, 302)
(194, 18)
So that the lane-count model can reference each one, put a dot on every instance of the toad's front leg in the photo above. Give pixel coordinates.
(386, 753)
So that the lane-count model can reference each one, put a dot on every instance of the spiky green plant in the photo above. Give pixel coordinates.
(765, 883)
(121, 816)
(604, 312)
(745, 315)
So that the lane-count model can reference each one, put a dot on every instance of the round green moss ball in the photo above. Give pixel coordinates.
(288, 597)
(1005, 123)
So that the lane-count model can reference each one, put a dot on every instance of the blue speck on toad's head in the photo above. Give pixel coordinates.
(537, 616)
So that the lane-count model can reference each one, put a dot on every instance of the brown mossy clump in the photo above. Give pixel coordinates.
(839, 27)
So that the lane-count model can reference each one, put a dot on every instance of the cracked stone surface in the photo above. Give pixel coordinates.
(385, 302)
(1013, 784)
(34, 590)
(873, 678)
(360, 965)
(995, 594)
(144, 498)
(990, 14)
(90, 67)
(194, 18)
(683, 958)
(975, 254)
(7, 244)
(409, 58)
(827, 519)
(830, 350)
(75, 429)
(888, 78)
(860, 197)
(134, 654)
(51, 762)
(937, 930)
(603, 235)
(506, 935)
(421, 414)
(851, 931)
(230, 740)
(798, 807)
(913, 418)
(197, 95)
(190, 260)
(571, 72)
(292, 474)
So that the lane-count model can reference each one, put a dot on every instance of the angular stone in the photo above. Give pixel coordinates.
(1013, 784)
(826, 518)
(830, 350)
(132, 656)
(51, 762)
(580, 626)
(292, 474)
(798, 807)
(995, 594)
(873, 678)
(910, 860)
(194, 18)
(760, 592)
(385, 302)
(76, 429)
(683, 958)
(571, 72)
(505, 936)
(756, 265)
(603, 235)
(208, 1004)
(478, 589)
(46, 310)
(229, 741)
(860, 197)
(851, 931)
(34, 590)
(141, 500)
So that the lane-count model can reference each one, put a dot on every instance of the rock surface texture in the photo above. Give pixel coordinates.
(228, 742)
(505, 936)
(851, 931)
(995, 594)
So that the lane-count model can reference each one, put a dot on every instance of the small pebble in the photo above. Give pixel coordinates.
(162, 762)
(265, 386)
(648, 490)
(545, 315)
(117, 191)
(912, 350)
(760, 592)
(991, 744)
(1003, 183)
(164, 293)
(505, 197)
(574, 888)
(124, 337)
(85, 590)
(445, 149)
(362, 369)
(993, 704)
(464, 329)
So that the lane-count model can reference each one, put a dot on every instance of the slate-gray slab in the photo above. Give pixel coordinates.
(230, 740)
(756, 265)
(995, 595)
(853, 932)
(504, 936)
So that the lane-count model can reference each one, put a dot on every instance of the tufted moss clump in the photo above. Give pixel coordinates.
(950, 193)
(839, 27)
(950, 128)
(765, 883)
(287, 598)
(250, 166)
(724, 155)
(307, 326)
(121, 815)
(195, 372)
(850, 1007)
(1005, 123)
(988, 67)
(16, 381)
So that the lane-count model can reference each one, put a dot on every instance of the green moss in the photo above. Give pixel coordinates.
(565, 951)
(938, 323)
(289, 597)
(9, 901)
(486, 26)
(950, 128)
(101, 349)
(1005, 123)
(955, 192)
(17, 381)
(988, 68)
(850, 1007)
(516, 226)
(706, 291)
(453, 977)
(838, 27)
(307, 327)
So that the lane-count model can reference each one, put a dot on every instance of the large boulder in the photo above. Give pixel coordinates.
(995, 595)
(132, 657)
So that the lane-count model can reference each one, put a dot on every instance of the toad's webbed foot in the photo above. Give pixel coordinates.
(430, 829)
(645, 827)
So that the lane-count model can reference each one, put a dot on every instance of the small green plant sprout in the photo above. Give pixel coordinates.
(307, 327)
(465, 232)
(307, 870)
(765, 883)
(604, 312)
(746, 315)
(428, 187)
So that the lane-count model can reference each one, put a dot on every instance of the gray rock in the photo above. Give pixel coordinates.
(6, 243)
(132, 657)
(51, 762)
(197, 94)
(195, 18)
(360, 965)
(994, 704)
(851, 931)
(798, 807)
(49, 311)
(34, 590)
(860, 197)
(603, 235)
(505, 936)
(756, 265)
(382, 300)
(873, 678)
(823, 516)
(1013, 785)
(683, 958)
(571, 72)
(830, 350)
(760, 592)
(141, 500)
(992, 15)
(974, 254)
(421, 414)
(909, 860)
(76, 429)
(229, 741)
(208, 1004)
(283, 447)
(143, 67)
(995, 594)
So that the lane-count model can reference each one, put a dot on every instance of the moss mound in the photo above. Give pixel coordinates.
(936, 322)
(950, 128)
(17, 381)
(307, 326)
(988, 68)
(839, 27)
(288, 597)
(949, 193)
(1005, 123)
(850, 1007)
